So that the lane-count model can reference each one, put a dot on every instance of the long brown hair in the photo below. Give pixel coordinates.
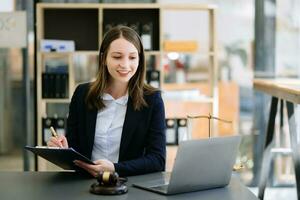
(136, 86)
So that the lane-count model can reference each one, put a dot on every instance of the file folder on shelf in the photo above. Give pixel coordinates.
(58, 123)
(182, 129)
(55, 85)
(46, 124)
(171, 132)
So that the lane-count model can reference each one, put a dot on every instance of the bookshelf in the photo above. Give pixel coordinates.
(86, 23)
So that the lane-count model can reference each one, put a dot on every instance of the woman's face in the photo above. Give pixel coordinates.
(122, 60)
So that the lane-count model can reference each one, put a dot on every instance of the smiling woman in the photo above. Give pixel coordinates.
(103, 115)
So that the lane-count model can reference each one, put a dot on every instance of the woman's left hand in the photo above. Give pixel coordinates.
(100, 166)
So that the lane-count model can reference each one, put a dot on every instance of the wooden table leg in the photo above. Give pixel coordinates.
(267, 157)
(295, 146)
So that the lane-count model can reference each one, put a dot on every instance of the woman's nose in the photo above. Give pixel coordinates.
(124, 63)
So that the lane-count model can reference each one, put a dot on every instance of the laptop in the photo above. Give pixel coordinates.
(199, 165)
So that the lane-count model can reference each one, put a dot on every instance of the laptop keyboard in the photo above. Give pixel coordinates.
(160, 185)
(164, 183)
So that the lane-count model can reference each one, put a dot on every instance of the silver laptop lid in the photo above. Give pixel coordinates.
(203, 164)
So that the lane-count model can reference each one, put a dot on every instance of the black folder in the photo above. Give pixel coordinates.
(64, 85)
(45, 85)
(59, 156)
(51, 85)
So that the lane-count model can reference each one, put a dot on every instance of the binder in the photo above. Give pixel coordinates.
(51, 85)
(171, 133)
(58, 85)
(64, 85)
(136, 27)
(153, 78)
(182, 129)
(46, 124)
(147, 35)
(62, 157)
(60, 126)
(58, 123)
(45, 85)
(55, 85)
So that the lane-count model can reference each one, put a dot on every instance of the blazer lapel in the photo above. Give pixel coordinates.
(130, 123)
(91, 117)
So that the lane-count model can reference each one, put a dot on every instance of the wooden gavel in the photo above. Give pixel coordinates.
(107, 178)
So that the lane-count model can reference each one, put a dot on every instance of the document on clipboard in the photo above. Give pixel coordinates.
(62, 157)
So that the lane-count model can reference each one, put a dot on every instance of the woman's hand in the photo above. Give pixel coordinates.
(59, 141)
(100, 166)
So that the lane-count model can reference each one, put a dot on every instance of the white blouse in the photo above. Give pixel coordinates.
(109, 126)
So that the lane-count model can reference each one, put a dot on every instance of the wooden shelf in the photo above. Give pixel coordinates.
(204, 54)
(86, 53)
(181, 86)
(130, 6)
(56, 100)
(189, 6)
(100, 14)
(56, 54)
(147, 53)
(196, 100)
(41, 6)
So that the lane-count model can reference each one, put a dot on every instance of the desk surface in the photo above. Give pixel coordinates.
(287, 89)
(68, 185)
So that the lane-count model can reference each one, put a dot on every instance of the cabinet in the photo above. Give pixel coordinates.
(85, 24)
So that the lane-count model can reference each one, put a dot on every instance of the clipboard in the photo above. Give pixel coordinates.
(62, 157)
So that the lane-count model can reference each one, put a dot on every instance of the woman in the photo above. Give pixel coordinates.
(118, 120)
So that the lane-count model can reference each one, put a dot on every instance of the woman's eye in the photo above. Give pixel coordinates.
(117, 57)
(132, 58)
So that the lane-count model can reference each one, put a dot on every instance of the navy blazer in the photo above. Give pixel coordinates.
(143, 140)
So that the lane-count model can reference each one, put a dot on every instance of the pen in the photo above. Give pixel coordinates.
(54, 134)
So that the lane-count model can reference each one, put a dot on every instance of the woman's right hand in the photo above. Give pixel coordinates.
(59, 141)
